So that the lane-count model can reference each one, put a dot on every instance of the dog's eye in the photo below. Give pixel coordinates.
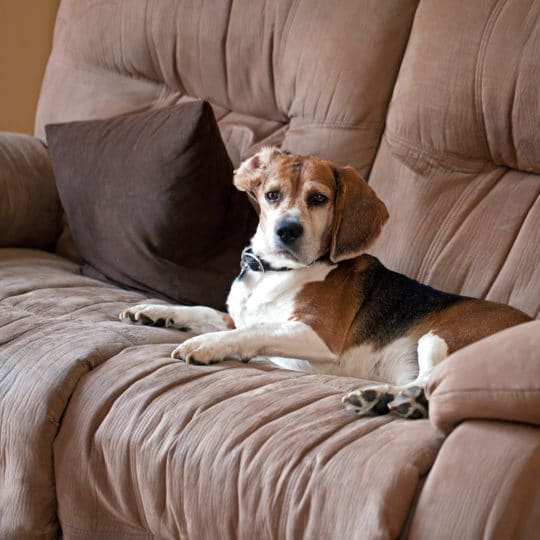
(272, 196)
(318, 199)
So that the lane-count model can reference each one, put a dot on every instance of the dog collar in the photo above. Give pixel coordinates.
(250, 261)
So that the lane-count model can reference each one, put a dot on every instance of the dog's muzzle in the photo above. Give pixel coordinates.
(288, 231)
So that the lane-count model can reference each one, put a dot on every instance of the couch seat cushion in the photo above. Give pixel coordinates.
(149, 447)
(55, 325)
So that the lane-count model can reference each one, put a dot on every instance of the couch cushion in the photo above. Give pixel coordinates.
(156, 447)
(496, 378)
(458, 164)
(484, 484)
(55, 325)
(303, 74)
(476, 98)
(151, 447)
(30, 212)
(150, 201)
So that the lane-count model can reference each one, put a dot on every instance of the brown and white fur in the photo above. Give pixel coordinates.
(322, 304)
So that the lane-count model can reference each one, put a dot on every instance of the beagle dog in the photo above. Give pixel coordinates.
(309, 296)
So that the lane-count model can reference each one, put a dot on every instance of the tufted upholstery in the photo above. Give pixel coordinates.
(437, 102)
(271, 69)
(458, 159)
(456, 166)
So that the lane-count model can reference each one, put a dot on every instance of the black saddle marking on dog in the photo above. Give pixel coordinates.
(394, 303)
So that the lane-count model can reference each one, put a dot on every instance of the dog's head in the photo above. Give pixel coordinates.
(308, 207)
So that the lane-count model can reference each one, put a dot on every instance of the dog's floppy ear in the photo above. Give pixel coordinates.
(249, 176)
(358, 216)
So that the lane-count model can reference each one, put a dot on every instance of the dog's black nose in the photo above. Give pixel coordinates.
(289, 231)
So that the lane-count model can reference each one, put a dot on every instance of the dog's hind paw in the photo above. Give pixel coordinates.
(410, 402)
(371, 400)
(405, 401)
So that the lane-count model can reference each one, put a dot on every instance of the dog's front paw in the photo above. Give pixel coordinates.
(150, 315)
(374, 400)
(207, 349)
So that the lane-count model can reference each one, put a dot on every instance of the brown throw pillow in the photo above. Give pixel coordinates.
(150, 201)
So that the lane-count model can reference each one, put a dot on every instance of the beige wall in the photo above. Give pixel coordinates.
(26, 28)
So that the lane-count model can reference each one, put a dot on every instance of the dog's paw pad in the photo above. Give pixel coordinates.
(160, 322)
(372, 400)
(410, 403)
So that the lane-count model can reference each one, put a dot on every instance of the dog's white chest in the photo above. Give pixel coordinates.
(262, 297)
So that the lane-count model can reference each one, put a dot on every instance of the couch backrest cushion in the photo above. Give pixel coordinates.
(30, 211)
(475, 96)
(458, 166)
(304, 74)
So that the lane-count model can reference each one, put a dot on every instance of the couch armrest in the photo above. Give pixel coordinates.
(483, 484)
(496, 378)
(30, 210)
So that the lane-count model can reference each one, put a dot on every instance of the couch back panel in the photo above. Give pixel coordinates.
(458, 159)
(475, 95)
(302, 74)
(460, 151)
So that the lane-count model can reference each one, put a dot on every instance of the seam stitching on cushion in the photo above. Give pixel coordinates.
(391, 96)
(503, 262)
(480, 61)
(328, 457)
(94, 68)
(340, 125)
(224, 49)
(459, 224)
(151, 50)
(448, 161)
(121, 37)
(107, 532)
(433, 250)
(271, 46)
(101, 70)
(284, 40)
(176, 72)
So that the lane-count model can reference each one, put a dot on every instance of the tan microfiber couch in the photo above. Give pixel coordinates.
(103, 436)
